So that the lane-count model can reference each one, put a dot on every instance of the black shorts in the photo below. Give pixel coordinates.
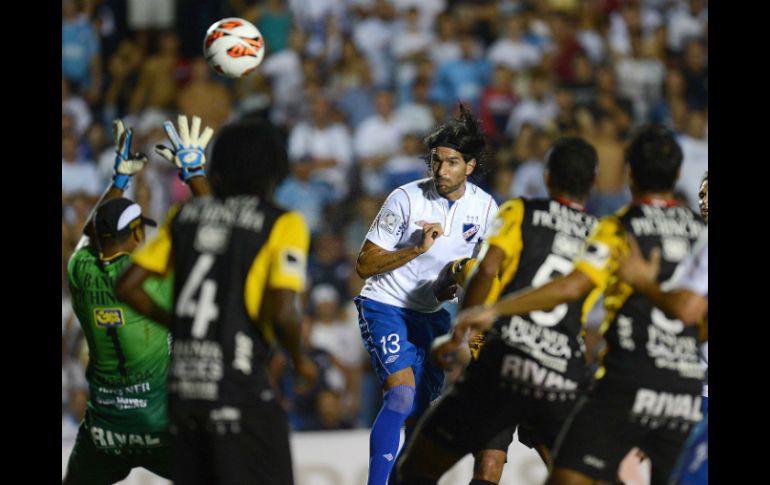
(603, 428)
(481, 410)
(230, 446)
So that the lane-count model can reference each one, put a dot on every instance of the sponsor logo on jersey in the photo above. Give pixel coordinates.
(656, 404)
(593, 462)
(109, 317)
(105, 438)
(528, 371)
(391, 359)
(470, 230)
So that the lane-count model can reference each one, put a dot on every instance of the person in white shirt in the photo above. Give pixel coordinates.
(421, 227)
(377, 139)
(325, 145)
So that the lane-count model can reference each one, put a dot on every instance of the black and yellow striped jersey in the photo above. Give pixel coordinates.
(540, 239)
(644, 347)
(225, 254)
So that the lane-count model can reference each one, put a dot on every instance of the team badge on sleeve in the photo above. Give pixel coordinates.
(390, 221)
(293, 261)
(108, 317)
(596, 254)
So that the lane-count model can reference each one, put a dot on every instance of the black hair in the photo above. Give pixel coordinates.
(249, 158)
(655, 158)
(571, 162)
(464, 135)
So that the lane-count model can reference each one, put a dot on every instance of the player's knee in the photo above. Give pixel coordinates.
(400, 399)
(488, 465)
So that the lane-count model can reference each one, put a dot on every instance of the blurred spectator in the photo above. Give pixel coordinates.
(687, 20)
(362, 210)
(341, 339)
(284, 69)
(463, 79)
(528, 179)
(583, 84)
(565, 46)
(329, 263)
(274, 23)
(539, 108)
(589, 36)
(695, 148)
(416, 114)
(376, 139)
(77, 175)
(610, 191)
(673, 91)
(324, 144)
(81, 61)
(405, 166)
(205, 97)
(427, 10)
(640, 77)
(373, 34)
(513, 51)
(353, 85)
(609, 102)
(328, 413)
(160, 76)
(303, 397)
(446, 47)
(255, 96)
(497, 103)
(696, 76)
(410, 38)
(123, 69)
(74, 106)
(301, 193)
(146, 15)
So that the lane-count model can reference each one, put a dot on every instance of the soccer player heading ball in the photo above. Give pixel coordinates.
(421, 227)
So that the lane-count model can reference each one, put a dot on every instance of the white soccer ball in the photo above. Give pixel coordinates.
(233, 47)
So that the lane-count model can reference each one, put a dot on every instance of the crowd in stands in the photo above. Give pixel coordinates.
(355, 85)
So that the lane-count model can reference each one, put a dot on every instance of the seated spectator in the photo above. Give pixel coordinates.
(78, 176)
(539, 108)
(462, 79)
(325, 145)
(513, 51)
(405, 166)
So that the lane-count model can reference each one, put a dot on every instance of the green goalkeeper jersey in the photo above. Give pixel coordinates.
(128, 353)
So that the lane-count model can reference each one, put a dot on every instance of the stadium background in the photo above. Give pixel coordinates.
(355, 84)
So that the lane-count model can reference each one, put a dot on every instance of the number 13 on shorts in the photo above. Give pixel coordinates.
(390, 344)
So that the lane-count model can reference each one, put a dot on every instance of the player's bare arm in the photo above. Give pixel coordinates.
(125, 167)
(129, 289)
(373, 260)
(564, 289)
(642, 274)
(287, 318)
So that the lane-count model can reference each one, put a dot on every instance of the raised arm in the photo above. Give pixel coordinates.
(125, 167)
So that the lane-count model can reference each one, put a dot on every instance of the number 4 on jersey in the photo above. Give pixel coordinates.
(205, 309)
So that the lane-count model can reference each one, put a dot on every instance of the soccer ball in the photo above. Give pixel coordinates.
(233, 47)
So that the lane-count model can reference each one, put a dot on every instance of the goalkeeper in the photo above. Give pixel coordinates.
(125, 424)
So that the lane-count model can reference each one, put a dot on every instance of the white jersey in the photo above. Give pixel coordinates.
(399, 225)
(693, 274)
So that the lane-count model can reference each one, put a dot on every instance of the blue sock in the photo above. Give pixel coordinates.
(386, 432)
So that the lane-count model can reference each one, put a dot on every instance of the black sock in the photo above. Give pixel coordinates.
(477, 481)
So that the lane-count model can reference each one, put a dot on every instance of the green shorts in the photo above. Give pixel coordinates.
(101, 456)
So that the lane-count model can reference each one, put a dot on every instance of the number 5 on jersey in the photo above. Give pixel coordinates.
(205, 309)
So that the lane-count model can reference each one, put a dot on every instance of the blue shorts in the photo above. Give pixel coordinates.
(692, 468)
(397, 338)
